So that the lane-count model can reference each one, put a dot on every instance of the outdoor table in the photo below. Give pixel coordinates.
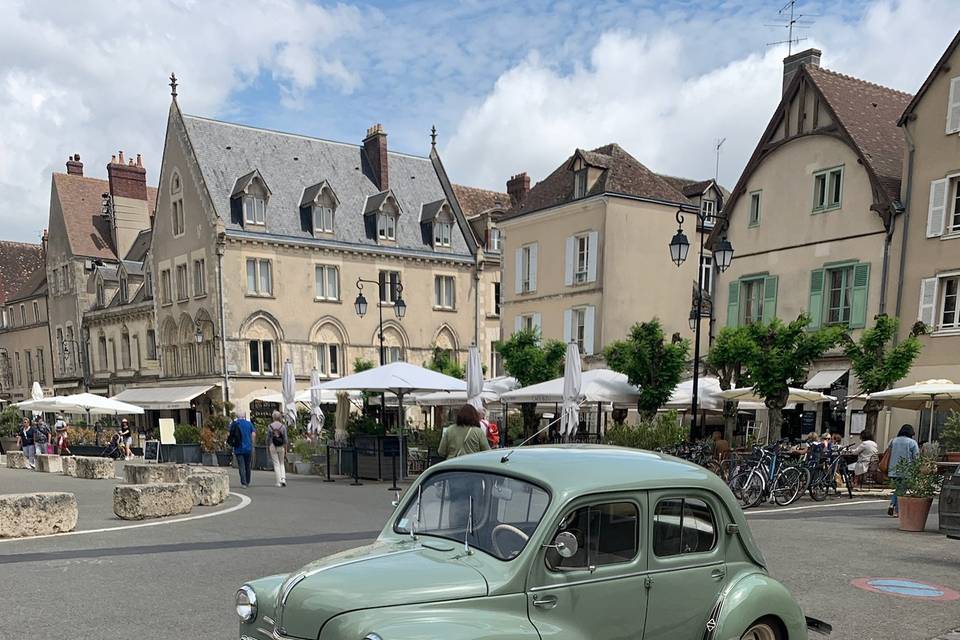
(947, 468)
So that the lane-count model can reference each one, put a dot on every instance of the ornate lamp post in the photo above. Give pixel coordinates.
(399, 309)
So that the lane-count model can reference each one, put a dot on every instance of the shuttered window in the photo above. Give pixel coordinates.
(953, 106)
(838, 295)
(578, 327)
(936, 209)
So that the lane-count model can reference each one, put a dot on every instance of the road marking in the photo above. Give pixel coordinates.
(813, 506)
(906, 588)
(244, 502)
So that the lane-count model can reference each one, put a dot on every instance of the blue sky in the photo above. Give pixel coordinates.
(511, 86)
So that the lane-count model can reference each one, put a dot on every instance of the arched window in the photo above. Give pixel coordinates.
(328, 341)
(262, 336)
(125, 349)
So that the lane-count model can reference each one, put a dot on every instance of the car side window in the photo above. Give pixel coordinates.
(683, 525)
(606, 534)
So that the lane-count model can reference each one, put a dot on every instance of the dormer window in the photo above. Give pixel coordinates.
(436, 224)
(580, 183)
(708, 211)
(494, 241)
(318, 205)
(386, 226)
(322, 219)
(101, 294)
(381, 215)
(254, 210)
(123, 287)
(248, 200)
(442, 232)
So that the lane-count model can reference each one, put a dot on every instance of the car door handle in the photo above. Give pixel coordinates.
(718, 574)
(545, 602)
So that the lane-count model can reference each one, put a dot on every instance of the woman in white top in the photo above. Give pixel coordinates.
(866, 452)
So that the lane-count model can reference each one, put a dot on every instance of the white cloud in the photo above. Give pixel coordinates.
(640, 90)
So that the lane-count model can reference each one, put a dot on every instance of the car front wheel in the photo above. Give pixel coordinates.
(762, 630)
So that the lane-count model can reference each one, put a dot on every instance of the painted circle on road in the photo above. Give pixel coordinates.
(906, 588)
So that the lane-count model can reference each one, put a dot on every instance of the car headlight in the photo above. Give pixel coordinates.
(246, 604)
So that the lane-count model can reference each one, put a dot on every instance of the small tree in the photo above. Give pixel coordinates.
(783, 354)
(530, 361)
(650, 362)
(441, 361)
(728, 358)
(878, 363)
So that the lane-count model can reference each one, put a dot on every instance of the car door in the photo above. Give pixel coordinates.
(687, 563)
(599, 592)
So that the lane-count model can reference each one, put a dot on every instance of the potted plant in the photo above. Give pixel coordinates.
(9, 423)
(219, 423)
(208, 447)
(261, 454)
(917, 484)
(950, 437)
(187, 450)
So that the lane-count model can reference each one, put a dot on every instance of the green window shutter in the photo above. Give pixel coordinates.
(858, 306)
(733, 304)
(769, 298)
(815, 308)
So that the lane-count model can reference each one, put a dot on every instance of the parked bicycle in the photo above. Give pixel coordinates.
(766, 477)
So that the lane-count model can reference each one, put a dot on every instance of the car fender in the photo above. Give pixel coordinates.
(501, 617)
(746, 600)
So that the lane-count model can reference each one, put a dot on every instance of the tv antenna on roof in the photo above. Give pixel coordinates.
(792, 22)
(716, 169)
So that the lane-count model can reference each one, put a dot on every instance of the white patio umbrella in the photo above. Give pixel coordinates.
(36, 393)
(944, 394)
(288, 388)
(682, 397)
(341, 418)
(326, 396)
(474, 378)
(597, 385)
(316, 413)
(88, 403)
(795, 395)
(572, 379)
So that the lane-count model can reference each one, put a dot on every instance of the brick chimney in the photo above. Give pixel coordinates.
(74, 166)
(517, 188)
(131, 210)
(375, 148)
(792, 64)
(127, 180)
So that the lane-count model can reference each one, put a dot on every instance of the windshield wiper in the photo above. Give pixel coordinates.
(469, 530)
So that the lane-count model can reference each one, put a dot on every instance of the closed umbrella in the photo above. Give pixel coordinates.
(343, 415)
(36, 393)
(935, 393)
(570, 413)
(316, 413)
(474, 378)
(288, 387)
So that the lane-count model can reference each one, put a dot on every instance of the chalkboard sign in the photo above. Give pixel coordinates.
(260, 410)
(808, 422)
(151, 451)
(391, 447)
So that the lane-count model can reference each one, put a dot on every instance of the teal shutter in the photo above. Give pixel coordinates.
(815, 308)
(769, 298)
(858, 306)
(733, 304)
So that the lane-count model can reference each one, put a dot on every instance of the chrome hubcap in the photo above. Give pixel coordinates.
(759, 632)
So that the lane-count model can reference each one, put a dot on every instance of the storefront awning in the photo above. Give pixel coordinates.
(162, 397)
(824, 379)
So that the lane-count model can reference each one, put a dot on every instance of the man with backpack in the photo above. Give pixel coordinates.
(241, 437)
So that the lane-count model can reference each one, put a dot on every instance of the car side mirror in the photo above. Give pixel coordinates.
(396, 500)
(565, 543)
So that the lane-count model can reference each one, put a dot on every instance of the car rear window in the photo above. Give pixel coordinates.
(683, 525)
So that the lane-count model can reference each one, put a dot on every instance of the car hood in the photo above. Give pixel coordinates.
(378, 575)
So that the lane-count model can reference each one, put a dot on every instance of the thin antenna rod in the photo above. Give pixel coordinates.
(793, 21)
(506, 458)
(716, 169)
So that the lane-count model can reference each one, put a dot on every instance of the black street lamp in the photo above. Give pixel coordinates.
(399, 309)
(722, 257)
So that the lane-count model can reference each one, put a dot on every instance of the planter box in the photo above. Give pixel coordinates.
(913, 513)
(8, 444)
(261, 459)
(372, 458)
(224, 458)
(303, 468)
(181, 453)
(87, 450)
(208, 459)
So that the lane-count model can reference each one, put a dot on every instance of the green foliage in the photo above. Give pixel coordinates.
(212, 441)
(9, 422)
(365, 425)
(186, 434)
(305, 449)
(650, 362)
(918, 478)
(362, 364)
(529, 360)
(261, 426)
(950, 435)
(514, 432)
(876, 361)
(442, 361)
(661, 431)
(729, 356)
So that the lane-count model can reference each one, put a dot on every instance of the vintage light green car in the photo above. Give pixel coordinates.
(560, 542)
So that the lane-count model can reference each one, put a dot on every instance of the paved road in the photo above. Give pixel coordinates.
(177, 580)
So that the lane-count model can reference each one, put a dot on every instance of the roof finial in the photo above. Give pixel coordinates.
(433, 136)
(173, 86)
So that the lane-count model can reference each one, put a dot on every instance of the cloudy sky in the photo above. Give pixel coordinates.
(511, 86)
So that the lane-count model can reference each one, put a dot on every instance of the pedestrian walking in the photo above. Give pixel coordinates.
(126, 437)
(63, 443)
(277, 443)
(241, 436)
(466, 436)
(903, 447)
(42, 437)
(719, 446)
(26, 442)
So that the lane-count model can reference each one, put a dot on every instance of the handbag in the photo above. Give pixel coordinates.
(884, 465)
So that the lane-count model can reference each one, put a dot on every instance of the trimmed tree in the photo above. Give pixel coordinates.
(531, 361)
(651, 362)
(441, 361)
(729, 356)
(783, 354)
(878, 363)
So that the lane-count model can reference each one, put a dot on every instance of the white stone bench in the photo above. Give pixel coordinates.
(36, 514)
(94, 468)
(49, 463)
(17, 460)
(150, 473)
(209, 488)
(157, 500)
(69, 464)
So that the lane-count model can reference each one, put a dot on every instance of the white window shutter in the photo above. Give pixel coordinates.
(517, 323)
(953, 106)
(533, 266)
(588, 331)
(536, 322)
(592, 254)
(568, 261)
(928, 302)
(567, 325)
(936, 213)
(518, 271)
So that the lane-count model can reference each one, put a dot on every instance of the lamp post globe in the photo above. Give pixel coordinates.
(693, 319)
(723, 254)
(400, 308)
(360, 304)
(679, 248)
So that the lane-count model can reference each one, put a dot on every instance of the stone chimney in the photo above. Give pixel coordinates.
(131, 210)
(792, 64)
(518, 187)
(375, 148)
(74, 166)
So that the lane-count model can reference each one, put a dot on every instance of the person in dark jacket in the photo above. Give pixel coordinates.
(903, 447)
(26, 440)
(243, 433)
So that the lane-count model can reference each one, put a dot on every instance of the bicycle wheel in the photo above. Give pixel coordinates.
(847, 480)
(750, 488)
(818, 488)
(787, 486)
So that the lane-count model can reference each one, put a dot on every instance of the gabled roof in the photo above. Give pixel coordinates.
(35, 285)
(622, 175)
(375, 202)
(311, 193)
(475, 201)
(930, 78)
(244, 181)
(140, 247)
(429, 211)
(18, 261)
(109, 272)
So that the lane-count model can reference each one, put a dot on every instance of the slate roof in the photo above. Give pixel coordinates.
(18, 261)
(140, 247)
(80, 200)
(623, 174)
(290, 163)
(475, 201)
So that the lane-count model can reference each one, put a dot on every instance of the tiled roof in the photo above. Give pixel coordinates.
(18, 261)
(34, 285)
(623, 174)
(81, 199)
(869, 113)
(290, 163)
(475, 201)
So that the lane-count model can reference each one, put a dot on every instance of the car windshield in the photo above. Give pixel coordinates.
(493, 513)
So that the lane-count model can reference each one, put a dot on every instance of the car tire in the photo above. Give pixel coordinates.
(763, 629)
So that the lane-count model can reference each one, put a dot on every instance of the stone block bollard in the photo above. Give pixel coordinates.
(149, 473)
(209, 489)
(16, 460)
(49, 463)
(94, 468)
(36, 514)
(69, 464)
(139, 501)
